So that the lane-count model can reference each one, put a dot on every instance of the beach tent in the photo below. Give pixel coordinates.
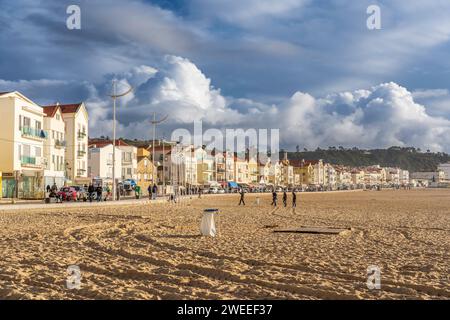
(233, 184)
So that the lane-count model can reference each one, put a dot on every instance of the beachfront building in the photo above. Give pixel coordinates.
(22, 139)
(428, 177)
(162, 160)
(75, 118)
(286, 173)
(206, 170)
(393, 176)
(190, 167)
(343, 176)
(220, 165)
(241, 169)
(264, 172)
(54, 147)
(330, 179)
(144, 170)
(404, 177)
(229, 167)
(100, 161)
(445, 167)
(253, 171)
(358, 177)
(129, 160)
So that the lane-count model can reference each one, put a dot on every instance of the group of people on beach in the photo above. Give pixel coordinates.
(274, 198)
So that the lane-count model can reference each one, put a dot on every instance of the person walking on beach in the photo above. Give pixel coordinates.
(149, 189)
(154, 191)
(284, 198)
(90, 191)
(274, 199)
(294, 199)
(99, 193)
(242, 197)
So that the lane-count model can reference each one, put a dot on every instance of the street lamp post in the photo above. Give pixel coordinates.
(154, 122)
(114, 96)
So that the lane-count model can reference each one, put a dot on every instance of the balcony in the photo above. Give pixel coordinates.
(34, 133)
(81, 135)
(31, 162)
(81, 153)
(127, 161)
(60, 144)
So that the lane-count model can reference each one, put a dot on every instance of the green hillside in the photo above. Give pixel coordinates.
(406, 158)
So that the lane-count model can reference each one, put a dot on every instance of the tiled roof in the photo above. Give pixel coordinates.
(50, 111)
(100, 143)
(67, 108)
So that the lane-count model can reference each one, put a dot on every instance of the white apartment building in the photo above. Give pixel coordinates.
(76, 118)
(129, 160)
(436, 177)
(22, 139)
(445, 167)
(54, 147)
(100, 161)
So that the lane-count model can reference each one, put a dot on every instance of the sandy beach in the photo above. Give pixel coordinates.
(155, 251)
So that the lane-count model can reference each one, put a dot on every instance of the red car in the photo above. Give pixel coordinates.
(68, 194)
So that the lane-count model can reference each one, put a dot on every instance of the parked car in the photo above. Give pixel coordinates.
(68, 194)
(82, 194)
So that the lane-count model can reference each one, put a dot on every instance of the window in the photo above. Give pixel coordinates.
(26, 122)
(58, 117)
(26, 150)
(37, 151)
(20, 122)
(37, 125)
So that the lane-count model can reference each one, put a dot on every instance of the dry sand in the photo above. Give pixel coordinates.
(155, 251)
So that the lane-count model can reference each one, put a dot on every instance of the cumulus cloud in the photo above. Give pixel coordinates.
(380, 116)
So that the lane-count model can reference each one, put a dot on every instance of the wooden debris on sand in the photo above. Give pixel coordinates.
(317, 230)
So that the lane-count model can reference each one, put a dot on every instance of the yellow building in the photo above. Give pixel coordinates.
(22, 139)
(252, 171)
(145, 169)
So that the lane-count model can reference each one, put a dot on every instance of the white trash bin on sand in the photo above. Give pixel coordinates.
(208, 225)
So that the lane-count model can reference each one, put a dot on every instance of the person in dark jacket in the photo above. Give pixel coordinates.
(149, 189)
(91, 192)
(154, 191)
(294, 199)
(284, 198)
(274, 199)
(99, 191)
(242, 197)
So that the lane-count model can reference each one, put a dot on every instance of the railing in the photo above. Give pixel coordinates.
(33, 132)
(28, 160)
(81, 153)
(60, 143)
(35, 162)
(81, 172)
(81, 134)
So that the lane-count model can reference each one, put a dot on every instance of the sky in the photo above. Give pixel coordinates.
(309, 68)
